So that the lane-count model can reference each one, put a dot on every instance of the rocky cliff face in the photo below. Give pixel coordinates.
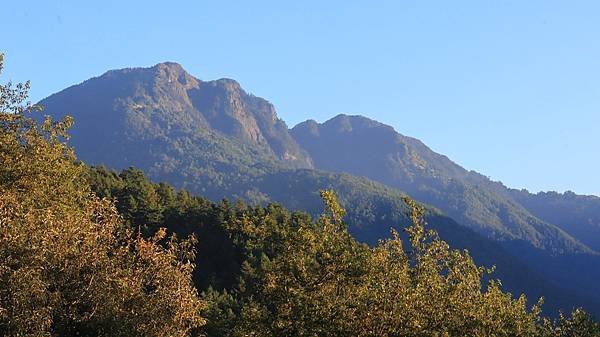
(165, 103)
(235, 113)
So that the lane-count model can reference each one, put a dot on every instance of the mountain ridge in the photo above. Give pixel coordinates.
(361, 146)
(236, 114)
(215, 139)
(225, 130)
(554, 249)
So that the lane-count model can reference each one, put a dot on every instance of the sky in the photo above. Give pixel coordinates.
(510, 89)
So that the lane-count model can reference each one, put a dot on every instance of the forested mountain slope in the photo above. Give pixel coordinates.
(217, 141)
(360, 146)
(578, 215)
(363, 147)
(176, 127)
(372, 211)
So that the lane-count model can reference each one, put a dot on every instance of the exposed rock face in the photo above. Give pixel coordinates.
(166, 105)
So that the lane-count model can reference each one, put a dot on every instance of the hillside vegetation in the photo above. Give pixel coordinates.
(215, 140)
(76, 264)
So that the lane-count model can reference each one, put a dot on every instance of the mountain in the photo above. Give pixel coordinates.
(216, 140)
(578, 215)
(175, 126)
(363, 147)
(543, 236)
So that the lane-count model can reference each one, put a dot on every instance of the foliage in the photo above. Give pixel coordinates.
(68, 265)
(579, 324)
(267, 272)
(321, 282)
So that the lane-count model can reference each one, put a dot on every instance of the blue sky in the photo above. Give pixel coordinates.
(510, 89)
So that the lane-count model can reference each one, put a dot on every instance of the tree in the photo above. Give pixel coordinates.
(68, 266)
(580, 324)
(305, 278)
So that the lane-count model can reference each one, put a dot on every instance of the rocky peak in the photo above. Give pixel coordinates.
(173, 73)
(166, 100)
(348, 123)
(308, 128)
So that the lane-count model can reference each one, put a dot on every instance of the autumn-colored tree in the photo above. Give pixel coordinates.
(428, 289)
(68, 266)
(579, 324)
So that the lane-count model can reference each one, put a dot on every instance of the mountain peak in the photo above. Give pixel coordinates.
(173, 74)
(169, 65)
(342, 123)
(349, 122)
(228, 82)
(364, 147)
(165, 104)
